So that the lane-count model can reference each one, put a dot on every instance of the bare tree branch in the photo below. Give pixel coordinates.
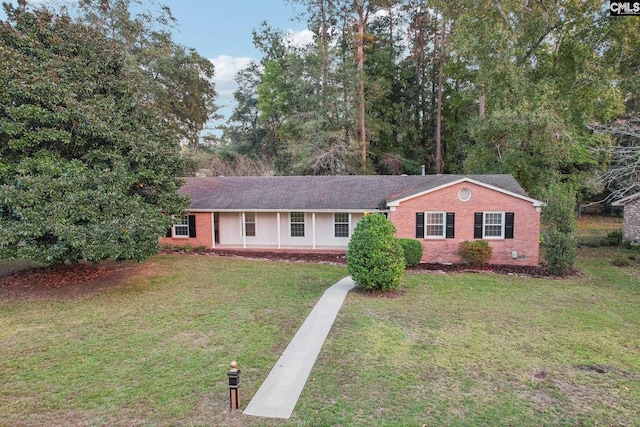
(622, 177)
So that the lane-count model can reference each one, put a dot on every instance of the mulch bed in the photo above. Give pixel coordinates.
(537, 271)
(340, 258)
(56, 277)
(67, 281)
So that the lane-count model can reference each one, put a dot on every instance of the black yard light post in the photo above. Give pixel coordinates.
(234, 385)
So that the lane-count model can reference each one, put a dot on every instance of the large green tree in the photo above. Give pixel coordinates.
(472, 86)
(540, 71)
(176, 79)
(87, 167)
(243, 131)
(315, 132)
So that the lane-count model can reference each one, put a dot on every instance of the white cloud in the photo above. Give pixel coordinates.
(299, 38)
(226, 69)
(228, 66)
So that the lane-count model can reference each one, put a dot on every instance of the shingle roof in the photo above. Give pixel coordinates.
(334, 192)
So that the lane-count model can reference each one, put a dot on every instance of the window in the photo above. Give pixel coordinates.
(185, 226)
(181, 228)
(493, 225)
(297, 224)
(250, 224)
(341, 224)
(434, 224)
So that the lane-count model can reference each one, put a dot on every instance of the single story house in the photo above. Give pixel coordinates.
(631, 217)
(318, 213)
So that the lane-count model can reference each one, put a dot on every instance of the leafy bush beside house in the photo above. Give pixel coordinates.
(475, 253)
(560, 240)
(375, 258)
(561, 251)
(412, 251)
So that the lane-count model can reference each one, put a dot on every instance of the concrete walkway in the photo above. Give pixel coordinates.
(278, 395)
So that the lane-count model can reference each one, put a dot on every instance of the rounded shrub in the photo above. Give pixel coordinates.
(412, 251)
(375, 259)
(560, 251)
(561, 243)
(475, 253)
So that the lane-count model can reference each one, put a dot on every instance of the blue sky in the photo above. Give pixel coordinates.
(221, 30)
(223, 27)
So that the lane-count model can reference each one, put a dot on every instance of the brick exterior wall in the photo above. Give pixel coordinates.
(631, 221)
(526, 224)
(203, 233)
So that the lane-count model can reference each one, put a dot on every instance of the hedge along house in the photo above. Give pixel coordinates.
(631, 217)
(319, 213)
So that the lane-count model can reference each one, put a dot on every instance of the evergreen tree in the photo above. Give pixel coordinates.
(87, 168)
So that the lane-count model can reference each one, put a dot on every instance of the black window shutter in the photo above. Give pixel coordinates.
(508, 225)
(419, 225)
(451, 225)
(192, 226)
(169, 230)
(477, 225)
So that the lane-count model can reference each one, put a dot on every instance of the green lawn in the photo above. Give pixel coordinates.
(454, 350)
(594, 229)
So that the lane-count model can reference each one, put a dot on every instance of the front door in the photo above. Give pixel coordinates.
(216, 227)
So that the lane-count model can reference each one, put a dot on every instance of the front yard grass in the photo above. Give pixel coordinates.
(594, 230)
(453, 350)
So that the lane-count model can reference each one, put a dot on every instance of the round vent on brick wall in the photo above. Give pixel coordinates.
(464, 194)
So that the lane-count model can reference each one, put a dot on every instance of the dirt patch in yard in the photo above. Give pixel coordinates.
(67, 281)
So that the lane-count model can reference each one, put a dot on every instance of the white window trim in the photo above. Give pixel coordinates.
(173, 228)
(243, 221)
(502, 225)
(342, 223)
(304, 223)
(444, 225)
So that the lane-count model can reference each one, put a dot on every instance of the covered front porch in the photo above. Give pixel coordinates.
(283, 231)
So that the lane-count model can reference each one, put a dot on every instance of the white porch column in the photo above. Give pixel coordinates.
(313, 230)
(278, 224)
(213, 230)
(244, 235)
